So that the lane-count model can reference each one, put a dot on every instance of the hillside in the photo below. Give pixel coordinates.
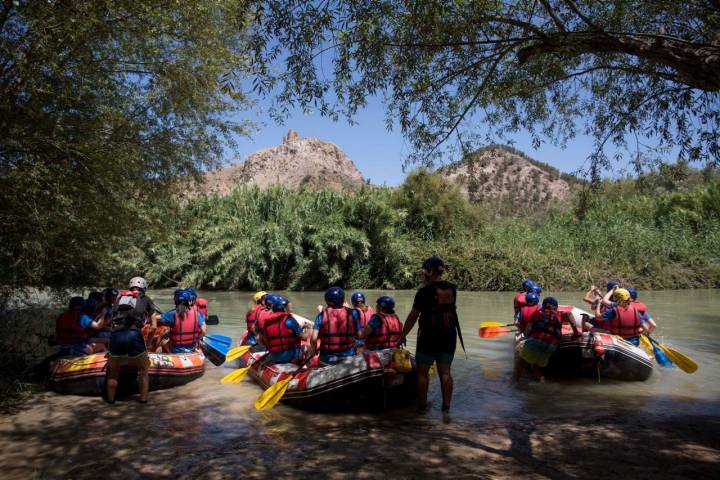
(298, 163)
(503, 175)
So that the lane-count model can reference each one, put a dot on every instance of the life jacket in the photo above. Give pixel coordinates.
(276, 335)
(186, 330)
(153, 343)
(548, 330)
(526, 314)
(252, 317)
(202, 305)
(67, 328)
(129, 310)
(337, 332)
(626, 322)
(641, 307)
(365, 316)
(389, 334)
(519, 301)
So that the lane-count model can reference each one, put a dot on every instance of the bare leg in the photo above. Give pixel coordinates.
(518, 369)
(537, 374)
(446, 384)
(111, 378)
(144, 377)
(422, 369)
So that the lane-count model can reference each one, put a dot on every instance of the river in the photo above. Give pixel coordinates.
(668, 426)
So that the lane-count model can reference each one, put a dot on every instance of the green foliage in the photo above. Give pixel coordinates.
(104, 106)
(627, 72)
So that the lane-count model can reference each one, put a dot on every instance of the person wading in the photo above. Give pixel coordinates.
(439, 327)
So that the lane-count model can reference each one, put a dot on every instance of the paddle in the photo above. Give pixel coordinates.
(274, 393)
(493, 332)
(683, 362)
(215, 348)
(212, 320)
(496, 324)
(239, 374)
(237, 352)
(660, 357)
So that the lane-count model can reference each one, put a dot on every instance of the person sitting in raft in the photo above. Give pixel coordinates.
(202, 305)
(624, 319)
(649, 324)
(607, 302)
(337, 326)
(252, 316)
(131, 311)
(543, 333)
(366, 312)
(187, 324)
(281, 333)
(104, 315)
(384, 329)
(73, 329)
(519, 301)
(522, 317)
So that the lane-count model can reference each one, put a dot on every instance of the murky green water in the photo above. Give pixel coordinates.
(208, 430)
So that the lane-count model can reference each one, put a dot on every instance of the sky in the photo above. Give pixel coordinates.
(378, 153)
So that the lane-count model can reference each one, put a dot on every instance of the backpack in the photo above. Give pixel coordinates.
(129, 310)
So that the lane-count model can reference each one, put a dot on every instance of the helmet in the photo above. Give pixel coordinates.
(177, 295)
(550, 301)
(537, 290)
(528, 285)
(434, 264)
(633, 293)
(269, 299)
(138, 282)
(192, 293)
(90, 305)
(622, 295)
(257, 298)
(358, 297)
(279, 303)
(76, 302)
(334, 296)
(386, 303)
(202, 302)
(532, 298)
(611, 284)
(110, 293)
(95, 295)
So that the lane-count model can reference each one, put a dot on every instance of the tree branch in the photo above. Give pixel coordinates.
(556, 20)
(571, 5)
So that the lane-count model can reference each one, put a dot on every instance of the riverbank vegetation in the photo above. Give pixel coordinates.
(652, 233)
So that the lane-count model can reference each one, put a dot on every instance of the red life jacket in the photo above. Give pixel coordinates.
(276, 335)
(388, 335)
(526, 314)
(365, 316)
(202, 305)
(67, 328)
(640, 307)
(252, 316)
(186, 330)
(626, 322)
(548, 330)
(519, 301)
(337, 332)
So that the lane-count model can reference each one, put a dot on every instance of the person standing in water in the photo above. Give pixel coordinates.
(439, 327)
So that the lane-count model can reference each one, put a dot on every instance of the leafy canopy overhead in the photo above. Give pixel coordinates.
(103, 106)
(642, 75)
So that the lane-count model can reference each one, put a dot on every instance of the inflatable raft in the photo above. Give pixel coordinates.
(594, 354)
(85, 375)
(365, 380)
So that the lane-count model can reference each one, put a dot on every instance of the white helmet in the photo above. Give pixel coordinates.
(138, 282)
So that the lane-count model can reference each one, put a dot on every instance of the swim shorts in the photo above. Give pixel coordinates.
(127, 343)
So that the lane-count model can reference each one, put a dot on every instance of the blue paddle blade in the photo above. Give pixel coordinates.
(220, 340)
(661, 358)
(214, 352)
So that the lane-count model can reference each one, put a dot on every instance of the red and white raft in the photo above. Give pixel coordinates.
(365, 381)
(85, 375)
(598, 355)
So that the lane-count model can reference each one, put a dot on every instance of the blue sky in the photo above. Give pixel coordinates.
(377, 152)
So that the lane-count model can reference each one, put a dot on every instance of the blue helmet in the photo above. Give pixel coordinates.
(193, 294)
(110, 294)
(633, 293)
(90, 305)
(95, 295)
(386, 303)
(532, 298)
(279, 303)
(334, 296)
(76, 303)
(269, 299)
(528, 285)
(611, 284)
(550, 301)
(537, 289)
(177, 296)
(358, 297)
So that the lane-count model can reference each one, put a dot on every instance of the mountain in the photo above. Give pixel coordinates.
(503, 175)
(297, 163)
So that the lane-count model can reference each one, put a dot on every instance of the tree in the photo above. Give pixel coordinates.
(642, 74)
(106, 107)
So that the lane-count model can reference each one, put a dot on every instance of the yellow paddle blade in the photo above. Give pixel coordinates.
(272, 395)
(237, 352)
(683, 362)
(236, 376)
(647, 346)
(492, 324)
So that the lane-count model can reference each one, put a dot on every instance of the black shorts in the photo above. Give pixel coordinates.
(434, 342)
(127, 343)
